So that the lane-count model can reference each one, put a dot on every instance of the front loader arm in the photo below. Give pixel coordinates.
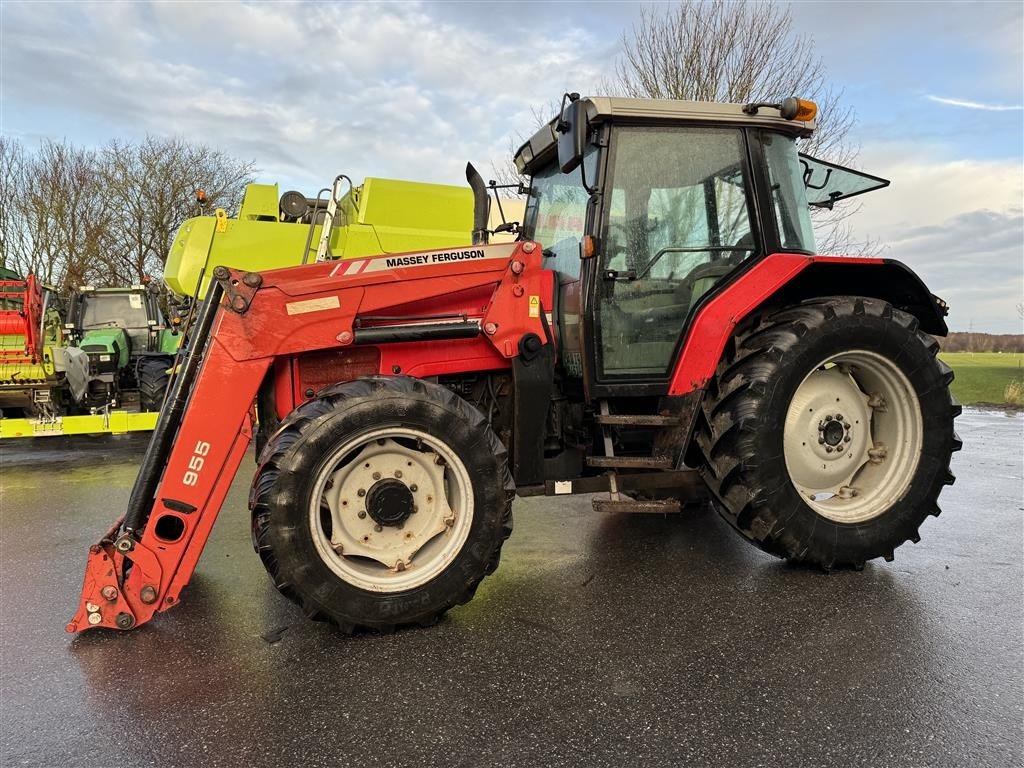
(207, 450)
(141, 565)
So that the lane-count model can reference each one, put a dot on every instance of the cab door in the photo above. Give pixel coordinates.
(678, 217)
(557, 213)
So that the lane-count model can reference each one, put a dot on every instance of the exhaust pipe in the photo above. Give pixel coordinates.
(481, 205)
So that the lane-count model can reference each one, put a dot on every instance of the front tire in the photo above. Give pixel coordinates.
(827, 431)
(152, 376)
(382, 502)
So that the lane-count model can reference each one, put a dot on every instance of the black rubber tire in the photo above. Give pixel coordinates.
(152, 377)
(740, 428)
(284, 483)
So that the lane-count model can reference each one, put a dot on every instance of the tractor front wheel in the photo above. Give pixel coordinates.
(828, 430)
(152, 376)
(382, 502)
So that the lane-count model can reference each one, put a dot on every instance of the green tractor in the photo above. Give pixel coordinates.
(130, 345)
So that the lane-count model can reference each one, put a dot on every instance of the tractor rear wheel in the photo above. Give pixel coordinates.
(151, 374)
(382, 502)
(827, 431)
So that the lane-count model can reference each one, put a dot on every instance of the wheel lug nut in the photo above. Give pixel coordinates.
(362, 514)
(361, 492)
(839, 417)
(414, 488)
(846, 439)
(376, 475)
(821, 441)
(398, 473)
(828, 449)
(378, 527)
(828, 419)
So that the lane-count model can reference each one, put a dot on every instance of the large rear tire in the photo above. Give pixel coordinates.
(827, 431)
(382, 502)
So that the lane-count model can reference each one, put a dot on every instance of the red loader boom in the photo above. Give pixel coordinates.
(481, 298)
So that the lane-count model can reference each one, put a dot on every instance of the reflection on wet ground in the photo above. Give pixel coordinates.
(600, 641)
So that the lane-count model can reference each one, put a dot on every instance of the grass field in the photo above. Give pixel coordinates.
(987, 377)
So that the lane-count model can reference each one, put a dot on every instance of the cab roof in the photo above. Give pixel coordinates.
(542, 145)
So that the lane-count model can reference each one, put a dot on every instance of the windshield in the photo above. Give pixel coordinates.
(789, 197)
(556, 212)
(120, 310)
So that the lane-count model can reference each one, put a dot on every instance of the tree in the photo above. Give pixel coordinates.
(740, 52)
(52, 216)
(73, 215)
(150, 188)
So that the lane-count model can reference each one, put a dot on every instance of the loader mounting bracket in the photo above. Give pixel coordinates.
(239, 287)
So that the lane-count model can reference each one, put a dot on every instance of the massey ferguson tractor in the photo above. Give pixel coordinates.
(661, 328)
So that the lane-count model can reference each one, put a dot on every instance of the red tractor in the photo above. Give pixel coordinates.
(662, 328)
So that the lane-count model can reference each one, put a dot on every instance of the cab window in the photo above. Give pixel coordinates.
(678, 221)
(556, 214)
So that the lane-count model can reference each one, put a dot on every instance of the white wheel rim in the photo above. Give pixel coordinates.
(391, 557)
(855, 467)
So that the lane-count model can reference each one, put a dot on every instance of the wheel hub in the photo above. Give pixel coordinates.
(389, 502)
(833, 431)
(852, 436)
(392, 509)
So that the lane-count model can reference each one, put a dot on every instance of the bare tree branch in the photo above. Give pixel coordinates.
(740, 52)
(151, 186)
(73, 215)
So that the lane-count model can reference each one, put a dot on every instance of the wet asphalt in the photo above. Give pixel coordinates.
(600, 641)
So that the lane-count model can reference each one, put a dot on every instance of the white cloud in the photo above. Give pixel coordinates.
(974, 104)
(958, 223)
(307, 91)
(406, 91)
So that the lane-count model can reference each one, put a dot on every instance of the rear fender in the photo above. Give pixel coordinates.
(785, 278)
(886, 279)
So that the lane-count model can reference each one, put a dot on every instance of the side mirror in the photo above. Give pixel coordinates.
(572, 134)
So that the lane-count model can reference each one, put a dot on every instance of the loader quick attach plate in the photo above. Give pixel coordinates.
(110, 602)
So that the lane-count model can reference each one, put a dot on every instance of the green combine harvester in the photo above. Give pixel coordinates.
(105, 368)
(380, 216)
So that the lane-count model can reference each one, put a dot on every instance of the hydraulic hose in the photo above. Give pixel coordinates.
(140, 503)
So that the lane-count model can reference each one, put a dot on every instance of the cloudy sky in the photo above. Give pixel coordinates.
(413, 90)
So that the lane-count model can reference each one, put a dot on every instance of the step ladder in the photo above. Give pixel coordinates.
(330, 209)
(616, 501)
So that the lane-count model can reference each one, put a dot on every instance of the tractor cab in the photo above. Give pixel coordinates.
(645, 207)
